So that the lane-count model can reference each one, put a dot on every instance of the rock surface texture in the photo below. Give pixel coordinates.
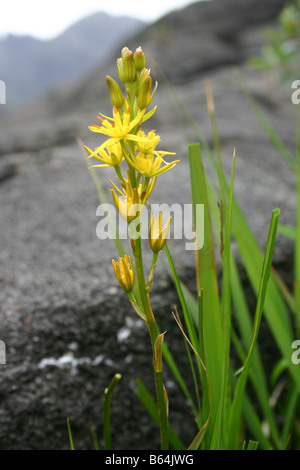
(66, 324)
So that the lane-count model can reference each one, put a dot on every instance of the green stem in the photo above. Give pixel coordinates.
(119, 174)
(150, 276)
(154, 332)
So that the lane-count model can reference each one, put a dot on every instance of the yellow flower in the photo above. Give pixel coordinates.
(149, 142)
(132, 200)
(124, 272)
(120, 127)
(112, 157)
(148, 161)
(157, 233)
(149, 165)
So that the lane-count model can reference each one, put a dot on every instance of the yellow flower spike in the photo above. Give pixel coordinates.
(158, 234)
(124, 272)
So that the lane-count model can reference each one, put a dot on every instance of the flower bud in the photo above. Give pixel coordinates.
(125, 52)
(157, 234)
(124, 272)
(139, 59)
(120, 69)
(144, 98)
(126, 67)
(143, 75)
(116, 95)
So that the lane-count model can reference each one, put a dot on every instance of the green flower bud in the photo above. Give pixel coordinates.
(121, 70)
(144, 98)
(116, 95)
(139, 59)
(125, 52)
(143, 75)
(126, 67)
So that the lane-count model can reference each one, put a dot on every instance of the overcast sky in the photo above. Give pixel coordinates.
(46, 19)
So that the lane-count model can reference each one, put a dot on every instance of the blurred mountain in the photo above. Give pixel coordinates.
(183, 45)
(31, 66)
(186, 45)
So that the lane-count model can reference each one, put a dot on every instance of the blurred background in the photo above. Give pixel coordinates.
(63, 318)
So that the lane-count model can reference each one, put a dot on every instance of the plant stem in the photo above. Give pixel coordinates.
(154, 333)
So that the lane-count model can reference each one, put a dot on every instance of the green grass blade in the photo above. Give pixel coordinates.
(187, 317)
(256, 373)
(70, 435)
(201, 433)
(220, 430)
(252, 445)
(95, 439)
(177, 375)
(254, 424)
(241, 383)
(289, 415)
(275, 308)
(287, 231)
(186, 313)
(106, 411)
(207, 279)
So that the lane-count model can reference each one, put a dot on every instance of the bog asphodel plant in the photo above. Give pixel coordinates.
(138, 163)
